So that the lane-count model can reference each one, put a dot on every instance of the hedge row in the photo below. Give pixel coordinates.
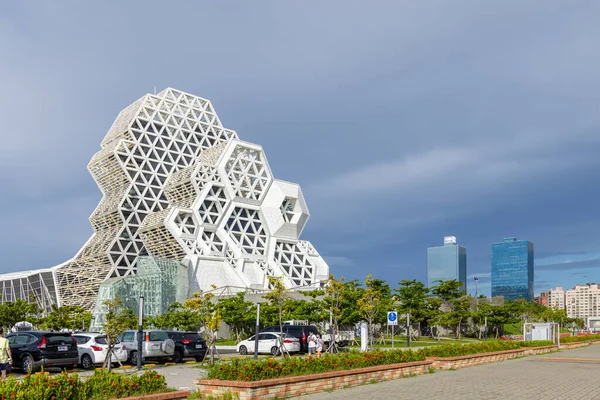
(254, 370)
(574, 339)
(537, 343)
(251, 370)
(455, 350)
(102, 385)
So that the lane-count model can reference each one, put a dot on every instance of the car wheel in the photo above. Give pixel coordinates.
(243, 350)
(178, 356)
(28, 365)
(134, 357)
(274, 350)
(86, 361)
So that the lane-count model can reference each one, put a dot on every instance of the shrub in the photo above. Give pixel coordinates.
(251, 370)
(100, 386)
(574, 339)
(455, 350)
(536, 343)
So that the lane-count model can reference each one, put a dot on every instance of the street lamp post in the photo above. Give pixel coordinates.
(257, 331)
(476, 287)
(140, 333)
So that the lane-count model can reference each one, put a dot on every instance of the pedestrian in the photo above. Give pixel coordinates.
(312, 344)
(319, 345)
(5, 354)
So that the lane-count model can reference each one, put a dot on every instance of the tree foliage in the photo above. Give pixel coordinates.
(117, 320)
(66, 317)
(238, 313)
(210, 318)
(17, 311)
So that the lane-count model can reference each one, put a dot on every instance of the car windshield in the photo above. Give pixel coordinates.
(58, 339)
(103, 340)
(158, 336)
(194, 337)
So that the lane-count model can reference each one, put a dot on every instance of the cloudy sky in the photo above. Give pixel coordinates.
(403, 121)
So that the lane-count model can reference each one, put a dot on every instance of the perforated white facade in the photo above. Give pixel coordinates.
(177, 185)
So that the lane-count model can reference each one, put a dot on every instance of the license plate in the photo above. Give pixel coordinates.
(198, 346)
(63, 348)
(155, 346)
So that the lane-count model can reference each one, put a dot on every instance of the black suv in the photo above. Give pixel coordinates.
(32, 350)
(187, 344)
(299, 331)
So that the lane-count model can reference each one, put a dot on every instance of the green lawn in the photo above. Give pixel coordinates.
(517, 329)
(226, 342)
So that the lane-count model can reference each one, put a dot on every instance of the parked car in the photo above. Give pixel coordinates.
(156, 345)
(32, 350)
(93, 348)
(188, 344)
(300, 332)
(269, 343)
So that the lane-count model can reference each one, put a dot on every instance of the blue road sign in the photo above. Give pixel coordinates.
(392, 318)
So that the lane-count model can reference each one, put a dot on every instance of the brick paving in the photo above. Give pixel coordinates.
(570, 374)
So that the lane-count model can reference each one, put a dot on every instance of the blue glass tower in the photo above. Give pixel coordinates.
(447, 262)
(512, 269)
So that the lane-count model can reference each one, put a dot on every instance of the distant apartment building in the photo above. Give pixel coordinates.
(583, 301)
(512, 269)
(447, 262)
(542, 299)
(556, 298)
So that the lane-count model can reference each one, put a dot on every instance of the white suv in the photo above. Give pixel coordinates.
(156, 345)
(93, 347)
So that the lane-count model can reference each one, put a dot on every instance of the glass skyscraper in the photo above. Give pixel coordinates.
(512, 269)
(447, 262)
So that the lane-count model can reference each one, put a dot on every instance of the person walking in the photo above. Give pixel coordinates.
(312, 344)
(319, 345)
(5, 354)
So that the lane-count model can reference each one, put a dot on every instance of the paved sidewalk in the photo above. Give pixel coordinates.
(571, 374)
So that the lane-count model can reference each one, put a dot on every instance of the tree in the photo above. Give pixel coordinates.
(277, 296)
(448, 290)
(210, 318)
(177, 316)
(496, 316)
(350, 293)
(452, 296)
(237, 313)
(117, 320)
(460, 312)
(333, 300)
(66, 317)
(369, 304)
(412, 297)
(311, 309)
(433, 315)
(17, 311)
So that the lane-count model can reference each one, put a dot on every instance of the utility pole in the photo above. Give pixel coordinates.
(257, 331)
(408, 329)
(140, 333)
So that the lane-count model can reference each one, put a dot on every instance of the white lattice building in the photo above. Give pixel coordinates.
(177, 185)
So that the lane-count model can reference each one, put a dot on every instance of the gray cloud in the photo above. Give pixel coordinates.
(400, 119)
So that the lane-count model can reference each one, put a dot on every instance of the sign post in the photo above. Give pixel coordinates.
(392, 319)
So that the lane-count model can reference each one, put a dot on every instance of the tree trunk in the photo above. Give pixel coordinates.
(107, 363)
(212, 348)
